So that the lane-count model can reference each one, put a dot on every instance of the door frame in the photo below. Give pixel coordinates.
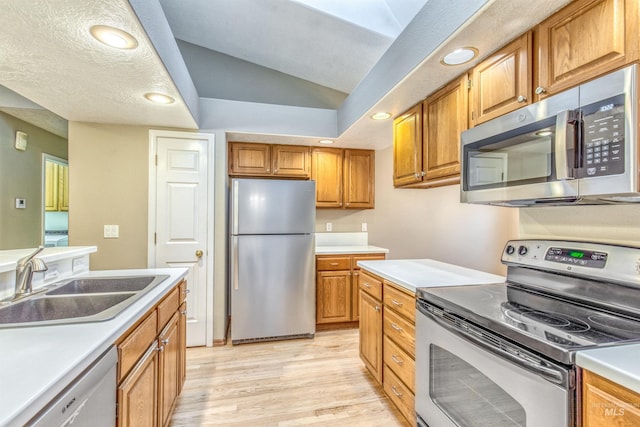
(151, 244)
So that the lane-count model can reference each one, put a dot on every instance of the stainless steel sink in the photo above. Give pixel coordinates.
(98, 285)
(90, 299)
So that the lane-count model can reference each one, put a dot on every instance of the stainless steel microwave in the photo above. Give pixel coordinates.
(577, 147)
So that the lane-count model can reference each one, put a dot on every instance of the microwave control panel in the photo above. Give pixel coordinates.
(603, 141)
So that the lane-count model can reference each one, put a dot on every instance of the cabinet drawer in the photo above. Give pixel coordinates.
(365, 257)
(400, 302)
(370, 285)
(400, 363)
(167, 307)
(333, 263)
(401, 331)
(399, 394)
(135, 344)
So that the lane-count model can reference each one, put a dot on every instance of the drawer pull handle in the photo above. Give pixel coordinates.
(396, 327)
(366, 285)
(395, 359)
(334, 263)
(396, 303)
(395, 391)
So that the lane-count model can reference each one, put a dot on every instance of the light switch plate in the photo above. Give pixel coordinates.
(21, 203)
(364, 226)
(111, 231)
(21, 141)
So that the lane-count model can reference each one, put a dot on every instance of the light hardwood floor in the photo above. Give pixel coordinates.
(319, 382)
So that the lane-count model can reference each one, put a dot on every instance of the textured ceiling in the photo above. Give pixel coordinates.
(48, 56)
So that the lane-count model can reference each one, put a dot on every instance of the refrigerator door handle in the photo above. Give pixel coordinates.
(234, 262)
(234, 207)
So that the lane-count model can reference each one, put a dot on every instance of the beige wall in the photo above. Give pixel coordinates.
(22, 177)
(429, 223)
(108, 184)
(619, 224)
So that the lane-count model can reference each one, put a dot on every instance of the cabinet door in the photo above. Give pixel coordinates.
(63, 188)
(502, 82)
(605, 403)
(407, 147)
(445, 117)
(584, 40)
(371, 334)
(138, 393)
(359, 177)
(326, 171)
(182, 329)
(333, 297)
(248, 159)
(169, 346)
(291, 161)
(51, 190)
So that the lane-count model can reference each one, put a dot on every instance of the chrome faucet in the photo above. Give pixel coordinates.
(24, 272)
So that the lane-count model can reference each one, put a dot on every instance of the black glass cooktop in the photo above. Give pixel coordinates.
(549, 325)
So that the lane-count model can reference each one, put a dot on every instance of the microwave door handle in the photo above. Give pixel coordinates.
(565, 131)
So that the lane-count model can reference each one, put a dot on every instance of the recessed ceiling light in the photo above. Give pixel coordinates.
(113, 37)
(460, 56)
(382, 115)
(159, 98)
(325, 141)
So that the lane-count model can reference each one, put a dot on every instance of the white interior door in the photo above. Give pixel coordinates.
(182, 228)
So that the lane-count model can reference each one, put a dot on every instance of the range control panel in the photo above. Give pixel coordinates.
(584, 258)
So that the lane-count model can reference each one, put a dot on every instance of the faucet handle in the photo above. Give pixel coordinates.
(22, 261)
(38, 265)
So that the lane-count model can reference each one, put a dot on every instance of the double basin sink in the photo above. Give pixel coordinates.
(90, 299)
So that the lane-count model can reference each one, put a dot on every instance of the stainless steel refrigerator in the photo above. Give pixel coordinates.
(272, 260)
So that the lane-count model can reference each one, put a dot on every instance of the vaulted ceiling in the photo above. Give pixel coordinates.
(291, 71)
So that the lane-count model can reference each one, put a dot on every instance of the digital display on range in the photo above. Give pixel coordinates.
(594, 259)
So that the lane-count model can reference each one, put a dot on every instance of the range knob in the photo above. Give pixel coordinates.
(522, 250)
(510, 249)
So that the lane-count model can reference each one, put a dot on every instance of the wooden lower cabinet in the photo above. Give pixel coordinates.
(337, 289)
(387, 339)
(605, 403)
(151, 364)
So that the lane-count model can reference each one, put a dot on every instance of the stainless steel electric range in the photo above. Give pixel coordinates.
(504, 354)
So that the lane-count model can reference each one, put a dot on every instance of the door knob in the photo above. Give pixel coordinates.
(199, 253)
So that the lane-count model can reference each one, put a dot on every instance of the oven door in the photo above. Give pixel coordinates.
(525, 157)
(460, 382)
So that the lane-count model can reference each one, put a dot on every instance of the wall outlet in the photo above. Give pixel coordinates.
(329, 226)
(364, 226)
(111, 231)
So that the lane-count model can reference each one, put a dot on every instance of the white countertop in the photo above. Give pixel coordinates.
(350, 249)
(427, 273)
(9, 258)
(619, 364)
(36, 363)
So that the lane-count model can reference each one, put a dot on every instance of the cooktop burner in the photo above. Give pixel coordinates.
(524, 316)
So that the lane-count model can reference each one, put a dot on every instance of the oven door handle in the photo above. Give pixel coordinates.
(553, 375)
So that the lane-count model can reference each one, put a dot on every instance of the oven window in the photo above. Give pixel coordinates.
(467, 396)
(512, 159)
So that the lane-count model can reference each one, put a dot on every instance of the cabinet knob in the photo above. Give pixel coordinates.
(522, 99)
(377, 308)
(165, 342)
(183, 312)
(540, 90)
(160, 349)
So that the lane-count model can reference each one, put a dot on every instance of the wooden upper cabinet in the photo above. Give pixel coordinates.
(326, 171)
(249, 159)
(51, 189)
(63, 188)
(584, 40)
(359, 178)
(407, 147)
(266, 160)
(291, 161)
(502, 83)
(445, 117)
(344, 178)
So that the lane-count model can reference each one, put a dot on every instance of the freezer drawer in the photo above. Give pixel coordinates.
(272, 287)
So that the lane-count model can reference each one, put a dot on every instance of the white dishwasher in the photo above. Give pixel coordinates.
(90, 400)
